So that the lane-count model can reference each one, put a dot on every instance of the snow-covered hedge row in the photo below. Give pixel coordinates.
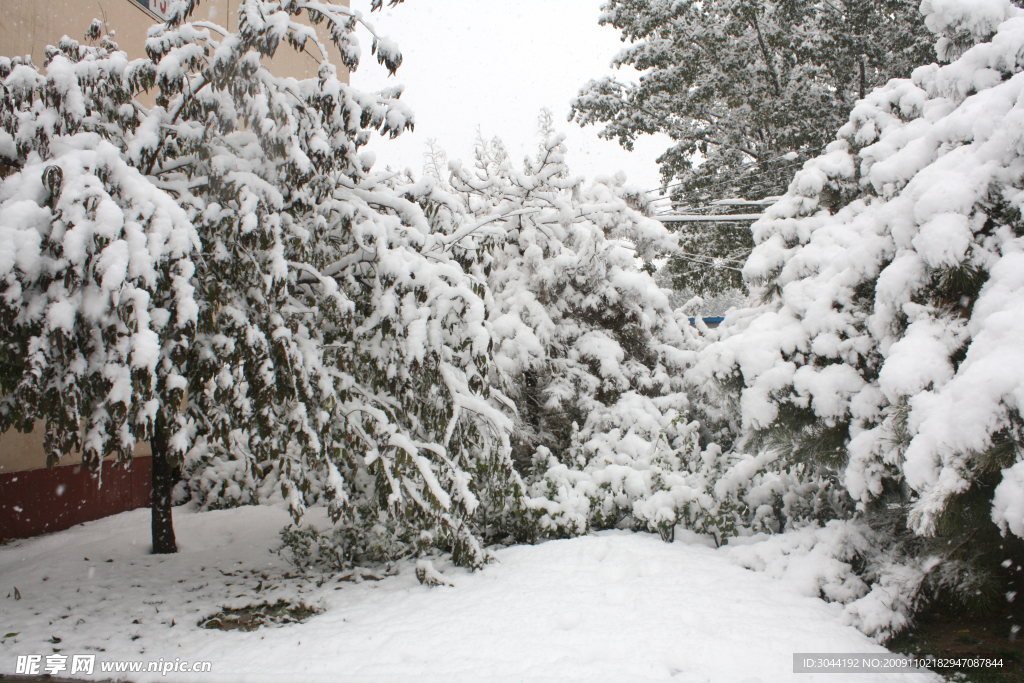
(638, 463)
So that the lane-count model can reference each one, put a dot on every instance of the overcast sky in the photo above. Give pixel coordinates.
(494, 64)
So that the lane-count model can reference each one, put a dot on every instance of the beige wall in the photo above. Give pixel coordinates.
(19, 452)
(28, 26)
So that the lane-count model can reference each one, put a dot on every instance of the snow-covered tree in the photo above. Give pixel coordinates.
(586, 348)
(98, 304)
(576, 322)
(747, 91)
(325, 351)
(887, 348)
(335, 354)
(435, 161)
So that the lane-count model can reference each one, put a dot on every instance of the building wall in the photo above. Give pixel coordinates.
(39, 501)
(28, 26)
(20, 452)
(34, 499)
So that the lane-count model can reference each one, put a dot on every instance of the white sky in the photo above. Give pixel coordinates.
(494, 64)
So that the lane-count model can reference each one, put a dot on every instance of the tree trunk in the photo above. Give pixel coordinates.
(163, 482)
(767, 57)
(863, 84)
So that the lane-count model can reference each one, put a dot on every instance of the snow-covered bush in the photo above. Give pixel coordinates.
(843, 561)
(638, 463)
(308, 548)
(887, 347)
(630, 465)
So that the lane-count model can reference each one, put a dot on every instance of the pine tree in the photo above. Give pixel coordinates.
(748, 91)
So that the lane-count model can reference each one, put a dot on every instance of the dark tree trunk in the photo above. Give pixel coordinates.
(163, 483)
(863, 83)
(767, 57)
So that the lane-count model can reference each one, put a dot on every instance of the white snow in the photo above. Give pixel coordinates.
(615, 606)
(1008, 501)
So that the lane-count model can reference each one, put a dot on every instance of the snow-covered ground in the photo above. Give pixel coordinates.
(615, 606)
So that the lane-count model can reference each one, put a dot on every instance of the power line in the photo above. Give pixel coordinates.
(718, 203)
(730, 260)
(710, 263)
(707, 218)
(767, 201)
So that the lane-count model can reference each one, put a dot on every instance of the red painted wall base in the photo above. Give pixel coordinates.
(34, 502)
